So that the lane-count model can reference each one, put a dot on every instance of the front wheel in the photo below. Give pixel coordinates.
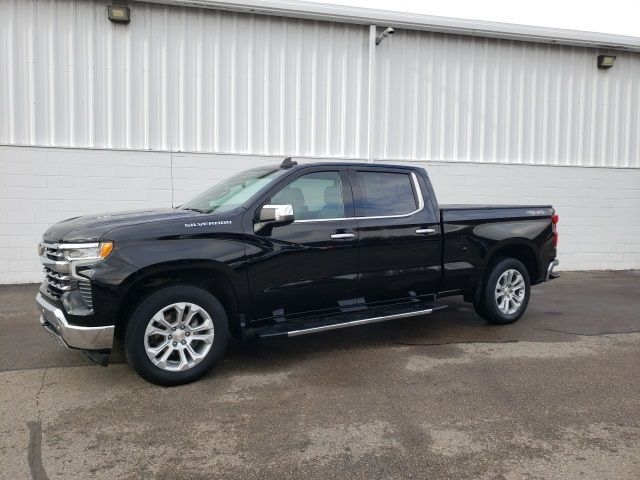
(505, 292)
(176, 335)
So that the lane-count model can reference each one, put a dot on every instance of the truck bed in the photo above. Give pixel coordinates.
(473, 206)
(456, 213)
(472, 233)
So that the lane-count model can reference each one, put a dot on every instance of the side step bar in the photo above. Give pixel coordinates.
(353, 323)
(362, 317)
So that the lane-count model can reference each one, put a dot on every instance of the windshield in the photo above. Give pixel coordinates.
(234, 191)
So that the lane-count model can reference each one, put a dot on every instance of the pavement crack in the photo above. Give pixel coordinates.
(44, 376)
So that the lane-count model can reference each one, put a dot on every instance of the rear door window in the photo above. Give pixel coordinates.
(380, 194)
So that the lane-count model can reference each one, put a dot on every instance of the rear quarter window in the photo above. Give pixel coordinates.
(384, 194)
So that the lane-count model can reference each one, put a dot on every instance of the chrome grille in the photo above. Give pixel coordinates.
(57, 283)
(51, 252)
(58, 278)
(56, 270)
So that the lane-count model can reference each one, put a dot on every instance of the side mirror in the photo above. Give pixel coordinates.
(276, 215)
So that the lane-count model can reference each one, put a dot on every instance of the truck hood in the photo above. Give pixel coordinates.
(91, 228)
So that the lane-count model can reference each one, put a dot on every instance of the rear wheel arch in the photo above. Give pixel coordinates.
(522, 251)
(212, 280)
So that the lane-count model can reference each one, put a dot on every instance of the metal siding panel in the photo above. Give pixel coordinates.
(191, 79)
(101, 85)
(81, 55)
(62, 118)
(7, 119)
(633, 126)
(22, 75)
(138, 76)
(489, 100)
(181, 78)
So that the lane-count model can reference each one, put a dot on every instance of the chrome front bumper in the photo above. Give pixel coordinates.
(73, 336)
(550, 273)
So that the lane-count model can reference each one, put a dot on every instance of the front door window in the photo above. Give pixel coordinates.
(314, 196)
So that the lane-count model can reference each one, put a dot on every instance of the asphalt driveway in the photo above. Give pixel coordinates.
(556, 395)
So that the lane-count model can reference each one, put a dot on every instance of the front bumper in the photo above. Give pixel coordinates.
(73, 336)
(550, 273)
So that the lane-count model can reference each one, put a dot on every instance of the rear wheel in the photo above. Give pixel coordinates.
(505, 292)
(176, 335)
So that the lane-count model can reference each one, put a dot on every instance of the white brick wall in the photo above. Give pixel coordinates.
(599, 208)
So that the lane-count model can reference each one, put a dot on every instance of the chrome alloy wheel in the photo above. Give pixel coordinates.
(510, 291)
(179, 336)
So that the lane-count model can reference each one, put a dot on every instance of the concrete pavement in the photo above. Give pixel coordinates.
(556, 395)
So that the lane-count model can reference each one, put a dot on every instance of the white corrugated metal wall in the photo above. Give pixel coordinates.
(192, 79)
(90, 111)
(451, 97)
(180, 78)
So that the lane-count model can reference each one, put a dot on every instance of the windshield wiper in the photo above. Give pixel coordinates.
(199, 210)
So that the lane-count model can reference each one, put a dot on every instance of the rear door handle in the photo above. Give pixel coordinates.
(342, 236)
(426, 231)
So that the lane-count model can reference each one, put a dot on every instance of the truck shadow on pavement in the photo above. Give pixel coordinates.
(561, 311)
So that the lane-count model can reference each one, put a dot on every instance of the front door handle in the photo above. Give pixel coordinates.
(342, 236)
(426, 231)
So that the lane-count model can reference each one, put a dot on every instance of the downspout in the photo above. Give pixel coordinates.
(371, 92)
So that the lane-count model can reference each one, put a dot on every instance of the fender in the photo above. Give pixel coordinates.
(220, 257)
(513, 242)
(471, 242)
(504, 245)
(211, 275)
(215, 271)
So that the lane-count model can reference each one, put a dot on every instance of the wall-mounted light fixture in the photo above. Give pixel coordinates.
(606, 61)
(119, 14)
(387, 31)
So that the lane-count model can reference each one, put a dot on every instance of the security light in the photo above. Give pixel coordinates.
(119, 14)
(387, 32)
(606, 61)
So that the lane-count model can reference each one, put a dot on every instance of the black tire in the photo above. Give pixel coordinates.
(134, 343)
(487, 307)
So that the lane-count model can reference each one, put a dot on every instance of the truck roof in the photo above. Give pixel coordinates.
(288, 163)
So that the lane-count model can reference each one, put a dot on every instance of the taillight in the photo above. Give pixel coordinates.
(554, 223)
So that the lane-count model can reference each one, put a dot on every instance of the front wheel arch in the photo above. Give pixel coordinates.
(161, 276)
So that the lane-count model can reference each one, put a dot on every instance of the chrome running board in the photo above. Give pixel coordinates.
(352, 319)
(353, 323)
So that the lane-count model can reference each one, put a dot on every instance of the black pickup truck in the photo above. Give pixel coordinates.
(283, 251)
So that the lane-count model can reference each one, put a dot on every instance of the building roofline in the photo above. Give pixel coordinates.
(413, 21)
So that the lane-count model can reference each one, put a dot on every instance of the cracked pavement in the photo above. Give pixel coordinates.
(556, 395)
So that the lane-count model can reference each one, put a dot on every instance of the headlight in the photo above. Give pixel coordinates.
(88, 252)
